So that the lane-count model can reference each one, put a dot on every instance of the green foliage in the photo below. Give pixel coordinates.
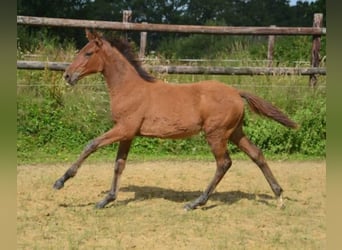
(53, 118)
(41, 40)
(289, 50)
(194, 12)
(55, 121)
(311, 136)
(296, 48)
(207, 46)
(308, 140)
(50, 124)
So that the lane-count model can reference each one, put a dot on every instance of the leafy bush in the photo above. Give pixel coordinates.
(287, 51)
(208, 46)
(53, 119)
(296, 48)
(308, 140)
(49, 125)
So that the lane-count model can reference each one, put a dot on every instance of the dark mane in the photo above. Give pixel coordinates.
(126, 50)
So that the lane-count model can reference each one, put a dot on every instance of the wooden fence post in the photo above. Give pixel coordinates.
(316, 46)
(126, 18)
(143, 38)
(271, 39)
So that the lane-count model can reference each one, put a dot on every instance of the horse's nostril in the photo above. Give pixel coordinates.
(66, 76)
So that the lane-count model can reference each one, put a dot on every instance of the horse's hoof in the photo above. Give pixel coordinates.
(188, 207)
(58, 185)
(100, 204)
(281, 204)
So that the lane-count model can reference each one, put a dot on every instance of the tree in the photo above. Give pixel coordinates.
(61, 8)
(200, 12)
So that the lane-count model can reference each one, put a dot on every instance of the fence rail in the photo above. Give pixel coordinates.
(223, 30)
(316, 32)
(170, 69)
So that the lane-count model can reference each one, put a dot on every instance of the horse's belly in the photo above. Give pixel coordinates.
(166, 128)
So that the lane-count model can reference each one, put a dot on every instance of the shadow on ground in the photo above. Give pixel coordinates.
(148, 192)
(231, 197)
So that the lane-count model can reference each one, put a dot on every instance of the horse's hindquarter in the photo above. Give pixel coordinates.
(178, 111)
(222, 107)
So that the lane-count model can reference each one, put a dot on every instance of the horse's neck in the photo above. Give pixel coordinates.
(119, 73)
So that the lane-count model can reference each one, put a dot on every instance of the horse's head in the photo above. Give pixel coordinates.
(87, 61)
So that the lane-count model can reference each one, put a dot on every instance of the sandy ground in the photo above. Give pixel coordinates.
(148, 214)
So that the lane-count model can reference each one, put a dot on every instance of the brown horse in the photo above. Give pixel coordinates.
(144, 106)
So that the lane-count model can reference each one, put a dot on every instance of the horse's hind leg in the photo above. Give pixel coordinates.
(223, 163)
(241, 140)
(120, 163)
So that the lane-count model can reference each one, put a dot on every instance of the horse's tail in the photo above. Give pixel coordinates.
(264, 108)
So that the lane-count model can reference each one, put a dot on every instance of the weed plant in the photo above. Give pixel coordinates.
(55, 121)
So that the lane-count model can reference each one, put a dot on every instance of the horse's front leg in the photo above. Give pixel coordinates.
(120, 164)
(113, 135)
(71, 172)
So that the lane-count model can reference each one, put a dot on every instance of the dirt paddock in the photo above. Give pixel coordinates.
(149, 214)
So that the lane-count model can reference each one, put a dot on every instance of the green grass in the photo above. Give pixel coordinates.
(58, 126)
(55, 121)
(37, 156)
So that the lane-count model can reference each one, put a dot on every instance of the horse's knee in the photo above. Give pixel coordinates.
(257, 156)
(91, 146)
(225, 164)
(119, 166)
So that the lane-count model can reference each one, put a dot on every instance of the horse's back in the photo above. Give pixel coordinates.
(172, 111)
(181, 110)
(194, 96)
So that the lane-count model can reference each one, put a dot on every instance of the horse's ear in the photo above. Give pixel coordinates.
(98, 41)
(96, 36)
(89, 35)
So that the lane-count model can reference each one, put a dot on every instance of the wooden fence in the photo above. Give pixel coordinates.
(316, 32)
(169, 69)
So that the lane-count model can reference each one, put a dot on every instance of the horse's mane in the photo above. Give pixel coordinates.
(126, 50)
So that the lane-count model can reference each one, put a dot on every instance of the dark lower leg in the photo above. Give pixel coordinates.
(277, 190)
(120, 164)
(115, 134)
(257, 156)
(222, 167)
(71, 172)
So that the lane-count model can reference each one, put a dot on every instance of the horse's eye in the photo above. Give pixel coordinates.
(88, 54)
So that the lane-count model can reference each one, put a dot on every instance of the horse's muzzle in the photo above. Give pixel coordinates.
(71, 78)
